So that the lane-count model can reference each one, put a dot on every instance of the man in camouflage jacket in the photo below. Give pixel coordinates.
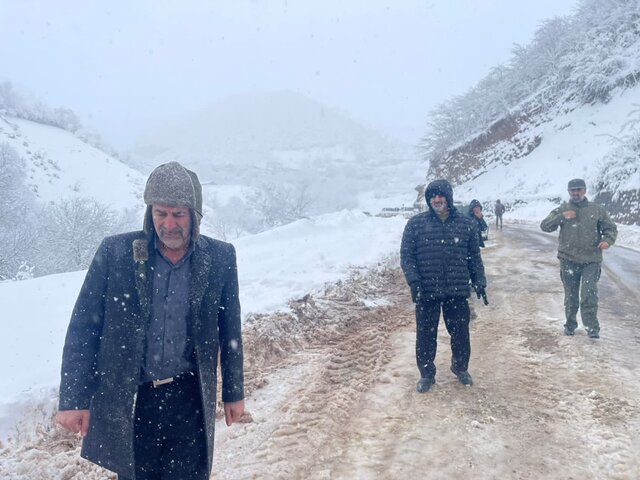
(585, 231)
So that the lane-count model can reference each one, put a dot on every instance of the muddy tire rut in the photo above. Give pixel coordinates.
(339, 401)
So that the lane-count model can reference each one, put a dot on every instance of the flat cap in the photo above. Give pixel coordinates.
(576, 183)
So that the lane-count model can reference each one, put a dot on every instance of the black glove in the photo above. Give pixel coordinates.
(481, 293)
(415, 292)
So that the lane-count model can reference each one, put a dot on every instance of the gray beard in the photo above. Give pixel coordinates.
(440, 209)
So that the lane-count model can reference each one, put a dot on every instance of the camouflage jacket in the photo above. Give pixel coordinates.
(580, 236)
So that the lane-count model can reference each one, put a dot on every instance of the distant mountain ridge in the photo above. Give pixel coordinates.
(258, 129)
(15, 103)
(282, 138)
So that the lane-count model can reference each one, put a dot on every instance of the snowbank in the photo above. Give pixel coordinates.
(274, 266)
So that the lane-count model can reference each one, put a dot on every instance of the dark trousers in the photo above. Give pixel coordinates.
(580, 281)
(170, 441)
(455, 311)
(499, 221)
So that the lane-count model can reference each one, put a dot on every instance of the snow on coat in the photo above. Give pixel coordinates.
(442, 257)
(580, 236)
(105, 341)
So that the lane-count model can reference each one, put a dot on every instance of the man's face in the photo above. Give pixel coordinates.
(577, 194)
(173, 226)
(438, 203)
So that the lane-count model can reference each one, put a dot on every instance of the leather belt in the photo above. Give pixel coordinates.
(168, 380)
(164, 381)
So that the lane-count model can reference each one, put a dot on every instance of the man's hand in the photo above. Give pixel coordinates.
(569, 214)
(481, 293)
(233, 411)
(76, 421)
(603, 245)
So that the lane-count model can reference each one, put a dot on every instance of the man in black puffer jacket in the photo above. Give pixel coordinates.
(475, 214)
(441, 260)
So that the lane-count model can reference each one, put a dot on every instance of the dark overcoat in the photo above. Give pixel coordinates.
(105, 340)
(443, 258)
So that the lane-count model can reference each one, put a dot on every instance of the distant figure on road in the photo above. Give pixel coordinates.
(158, 308)
(419, 205)
(585, 231)
(441, 260)
(475, 213)
(499, 211)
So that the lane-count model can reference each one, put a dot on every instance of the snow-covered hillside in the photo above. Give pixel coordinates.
(258, 130)
(61, 166)
(571, 144)
(565, 105)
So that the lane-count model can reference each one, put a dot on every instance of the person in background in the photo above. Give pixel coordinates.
(441, 261)
(585, 231)
(158, 307)
(475, 213)
(498, 209)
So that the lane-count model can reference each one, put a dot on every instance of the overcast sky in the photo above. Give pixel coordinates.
(123, 64)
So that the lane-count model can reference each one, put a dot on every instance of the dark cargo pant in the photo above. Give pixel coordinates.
(580, 282)
(456, 313)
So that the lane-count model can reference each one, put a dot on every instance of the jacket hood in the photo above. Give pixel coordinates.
(442, 188)
(474, 203)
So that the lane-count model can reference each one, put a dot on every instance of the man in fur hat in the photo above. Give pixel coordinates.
(156, 310)
(441, 260)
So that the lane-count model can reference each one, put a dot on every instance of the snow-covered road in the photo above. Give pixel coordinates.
(331, 386)
(543, 406)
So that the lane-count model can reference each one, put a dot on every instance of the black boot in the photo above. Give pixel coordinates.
(425, 384)
(464, 377)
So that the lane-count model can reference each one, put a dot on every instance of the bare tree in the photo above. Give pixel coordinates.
(71, 231)
(234, 219)
(17, 236)
(280, 204)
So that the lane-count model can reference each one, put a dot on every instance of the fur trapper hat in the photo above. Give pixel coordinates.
(173, 185)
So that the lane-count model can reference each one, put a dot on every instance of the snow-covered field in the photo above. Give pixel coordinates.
(274, 267)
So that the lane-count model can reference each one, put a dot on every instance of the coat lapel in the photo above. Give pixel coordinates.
(201, 265)
(144, 279)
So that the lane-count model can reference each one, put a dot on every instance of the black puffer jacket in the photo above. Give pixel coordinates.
(482, 225)
(443, 258)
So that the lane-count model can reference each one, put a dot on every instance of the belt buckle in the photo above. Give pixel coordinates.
(164, 381)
